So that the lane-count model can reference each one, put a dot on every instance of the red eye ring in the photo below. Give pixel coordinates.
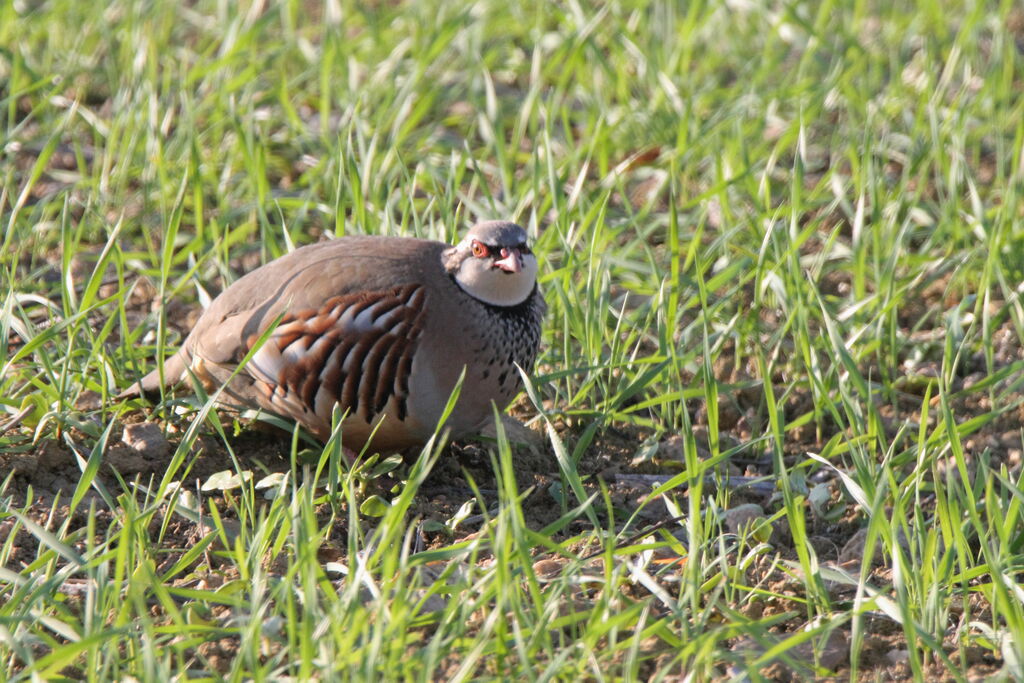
(480, 249)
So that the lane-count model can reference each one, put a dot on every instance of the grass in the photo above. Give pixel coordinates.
(788, 233)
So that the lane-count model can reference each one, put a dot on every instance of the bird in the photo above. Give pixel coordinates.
(381, 327)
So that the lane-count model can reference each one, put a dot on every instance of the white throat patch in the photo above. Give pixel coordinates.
(481, 280)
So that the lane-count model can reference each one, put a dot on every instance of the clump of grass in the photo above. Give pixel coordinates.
(786, 235)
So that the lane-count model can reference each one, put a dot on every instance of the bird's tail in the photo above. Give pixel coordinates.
(174, 369)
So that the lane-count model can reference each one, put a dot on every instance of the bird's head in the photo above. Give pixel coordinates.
(493, 263)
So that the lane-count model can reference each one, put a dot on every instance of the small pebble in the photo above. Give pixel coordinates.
(147, 439)
(743, 517)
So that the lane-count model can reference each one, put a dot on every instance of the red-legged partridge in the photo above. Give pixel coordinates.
(382, 327)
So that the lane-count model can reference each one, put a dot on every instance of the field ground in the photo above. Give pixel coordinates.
(775, 432)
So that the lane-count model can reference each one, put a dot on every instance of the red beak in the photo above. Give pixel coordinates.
(511, 261)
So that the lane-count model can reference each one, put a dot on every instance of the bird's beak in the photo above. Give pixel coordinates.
(511, 261)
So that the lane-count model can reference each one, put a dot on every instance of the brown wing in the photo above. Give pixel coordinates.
(355, 350)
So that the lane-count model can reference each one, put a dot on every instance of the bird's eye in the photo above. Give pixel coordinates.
(480, 249)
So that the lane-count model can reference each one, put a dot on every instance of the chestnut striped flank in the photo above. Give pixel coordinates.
(355, 350)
